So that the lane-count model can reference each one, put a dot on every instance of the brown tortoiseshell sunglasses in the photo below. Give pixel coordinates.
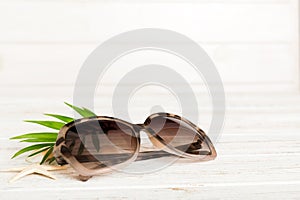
(97, 145)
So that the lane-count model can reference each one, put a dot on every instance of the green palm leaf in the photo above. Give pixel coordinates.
(46, 156)
(50, 160)
(61, 117)
(84, 112)
(39, 140)
(46, 140)
(50, 124)
(43, 135)
(91, 113)
(31, 148)
(40, 151)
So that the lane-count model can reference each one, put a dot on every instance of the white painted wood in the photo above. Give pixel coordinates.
(297, 71)
(34, 63)
(250, 41)
(258, 156)
(254, 44)
(86, 21)
(241, 168)
(262, 191)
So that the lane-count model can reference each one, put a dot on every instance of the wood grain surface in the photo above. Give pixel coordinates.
(254, 45)
(258, 156)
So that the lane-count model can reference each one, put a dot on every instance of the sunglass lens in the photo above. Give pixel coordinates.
(101, 143)
(181, 135)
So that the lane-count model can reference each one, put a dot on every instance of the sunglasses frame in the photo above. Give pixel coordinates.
(155, 139)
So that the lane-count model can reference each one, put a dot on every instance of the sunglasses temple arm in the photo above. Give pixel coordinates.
(152, 155)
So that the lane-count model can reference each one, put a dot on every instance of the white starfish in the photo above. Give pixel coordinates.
(35, 168)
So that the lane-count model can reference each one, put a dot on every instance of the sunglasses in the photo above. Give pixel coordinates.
(98, 145)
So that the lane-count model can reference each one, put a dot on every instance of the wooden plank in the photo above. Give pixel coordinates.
(278, 191)
(223, 172)
(171, 1)
(233, 168)
(297, 70)
(44, 95)
(258, 151)
(237, 63)
(229, 146)
(263, 143)
(86, 21)
(257, 155)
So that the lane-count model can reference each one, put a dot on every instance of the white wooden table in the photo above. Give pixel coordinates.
(258, 153)
(252, 42)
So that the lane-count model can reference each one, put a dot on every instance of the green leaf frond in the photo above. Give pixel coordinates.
(46, 140)
(84, 112)
(60, 117)
(50, 124)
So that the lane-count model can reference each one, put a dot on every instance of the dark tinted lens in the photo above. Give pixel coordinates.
(101, 143)
(180, 135)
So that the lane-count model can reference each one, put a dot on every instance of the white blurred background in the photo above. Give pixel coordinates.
(253, 43)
